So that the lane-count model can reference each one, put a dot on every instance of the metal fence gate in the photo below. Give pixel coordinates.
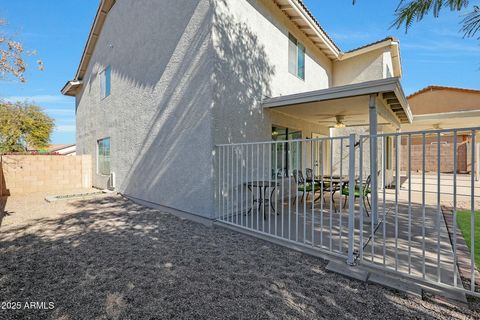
(393, 201)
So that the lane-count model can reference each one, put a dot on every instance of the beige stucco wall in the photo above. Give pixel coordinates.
(444, 100)
(361, 68)
(22, 174)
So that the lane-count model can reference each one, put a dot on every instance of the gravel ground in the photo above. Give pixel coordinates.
(108, 258)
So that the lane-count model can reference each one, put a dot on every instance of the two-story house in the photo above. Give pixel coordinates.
(161, 83)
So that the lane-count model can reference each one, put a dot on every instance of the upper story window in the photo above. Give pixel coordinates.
(296, 57)
(103, 156)
(105, 82)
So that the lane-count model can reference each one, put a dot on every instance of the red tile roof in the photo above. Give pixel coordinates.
(435, 88)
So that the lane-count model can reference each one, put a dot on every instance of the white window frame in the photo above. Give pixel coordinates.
(105, 82)
(292, 40)
(98, 156)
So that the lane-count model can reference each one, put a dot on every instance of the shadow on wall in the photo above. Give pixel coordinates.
(174, 165)
(169, 163)
(118, 260)
(242, 76)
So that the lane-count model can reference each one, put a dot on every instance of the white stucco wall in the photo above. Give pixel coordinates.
(190, 74)
(387, 64)
(158, 114)
(251, 62)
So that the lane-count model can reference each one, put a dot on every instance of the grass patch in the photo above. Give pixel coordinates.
(464, 224)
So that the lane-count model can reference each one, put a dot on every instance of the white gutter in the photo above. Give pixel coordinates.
(70, 86)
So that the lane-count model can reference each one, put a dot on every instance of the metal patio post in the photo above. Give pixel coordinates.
(372, 108)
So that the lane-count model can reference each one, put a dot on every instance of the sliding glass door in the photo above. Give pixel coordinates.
(287, 156)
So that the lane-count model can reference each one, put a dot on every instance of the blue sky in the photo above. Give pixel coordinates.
(433, 52)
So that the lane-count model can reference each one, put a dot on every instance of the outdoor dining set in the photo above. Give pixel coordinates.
(264, 194)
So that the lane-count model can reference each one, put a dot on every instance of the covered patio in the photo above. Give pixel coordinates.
(348, 194)
(372, 104)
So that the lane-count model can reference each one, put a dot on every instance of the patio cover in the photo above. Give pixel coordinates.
(351, 101)
(360, 104)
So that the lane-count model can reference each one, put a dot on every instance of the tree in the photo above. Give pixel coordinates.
(22, 126)
(409, 11)
(12, 54)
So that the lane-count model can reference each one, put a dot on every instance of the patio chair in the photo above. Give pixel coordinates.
(326, 185)
(367, 190)
(305, 186)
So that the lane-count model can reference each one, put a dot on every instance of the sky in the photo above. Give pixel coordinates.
(433, 51)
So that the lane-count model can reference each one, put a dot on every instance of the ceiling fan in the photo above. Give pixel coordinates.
(339, 124)
(338, 120)
(436, 126)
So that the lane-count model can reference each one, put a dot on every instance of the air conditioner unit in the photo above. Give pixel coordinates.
(111, 181)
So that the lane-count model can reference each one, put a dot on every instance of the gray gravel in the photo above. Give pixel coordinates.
(108, 258)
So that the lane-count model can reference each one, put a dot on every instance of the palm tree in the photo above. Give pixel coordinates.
(409, 11)
(471, 23)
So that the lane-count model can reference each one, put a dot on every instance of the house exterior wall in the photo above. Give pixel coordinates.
(69, 151)
(444, 100)
(158, 114)
(438, 100)
(193, 76)
(251, 62)
(341, 157)
(387, 64)
(365, 67)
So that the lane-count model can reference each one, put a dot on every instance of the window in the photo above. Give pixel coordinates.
(296, 57)
(105, 82)
(288, 155)
(103, 156)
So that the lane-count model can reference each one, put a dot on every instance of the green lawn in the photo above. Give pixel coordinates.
(464, 224)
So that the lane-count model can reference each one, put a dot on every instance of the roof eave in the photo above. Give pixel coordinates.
(396, 59)
(71, 88)
(100, 17)
(299, 15)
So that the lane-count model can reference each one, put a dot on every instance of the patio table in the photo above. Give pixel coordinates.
(335, 181)
(262, 186)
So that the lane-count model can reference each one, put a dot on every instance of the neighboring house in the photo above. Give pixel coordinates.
(63, 149)
(439, 107)
(160, 83)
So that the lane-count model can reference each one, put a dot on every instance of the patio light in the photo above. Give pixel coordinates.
(339, 123)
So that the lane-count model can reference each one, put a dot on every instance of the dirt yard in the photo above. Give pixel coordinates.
(108, 258)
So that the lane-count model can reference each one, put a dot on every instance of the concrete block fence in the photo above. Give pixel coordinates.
(23, 174)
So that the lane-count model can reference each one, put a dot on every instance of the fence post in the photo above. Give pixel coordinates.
(351, 200)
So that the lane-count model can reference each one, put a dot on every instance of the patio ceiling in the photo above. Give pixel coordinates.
(350, 101)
